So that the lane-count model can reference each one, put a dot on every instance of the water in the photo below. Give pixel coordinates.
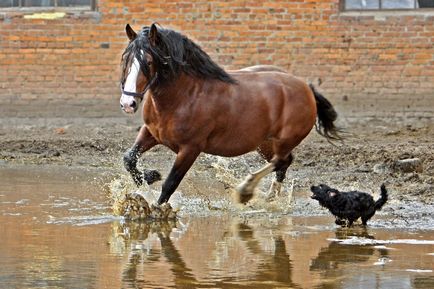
(57, 231)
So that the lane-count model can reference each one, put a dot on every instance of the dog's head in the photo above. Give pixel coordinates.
(323, 193)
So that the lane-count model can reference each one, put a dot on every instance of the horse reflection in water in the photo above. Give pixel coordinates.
(191, 105)
(274, 269)
(277, 267)
(139, 232)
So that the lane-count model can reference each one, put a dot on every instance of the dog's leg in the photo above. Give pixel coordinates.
(340, 222)
(365, 219)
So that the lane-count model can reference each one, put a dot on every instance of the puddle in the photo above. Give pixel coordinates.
(58, 231)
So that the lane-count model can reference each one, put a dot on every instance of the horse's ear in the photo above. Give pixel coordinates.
(130, 32)
(153, 34)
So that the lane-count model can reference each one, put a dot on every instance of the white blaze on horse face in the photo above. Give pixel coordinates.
(129, 103)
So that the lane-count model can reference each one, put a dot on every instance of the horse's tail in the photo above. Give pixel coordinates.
(383, 199)
(326, 116)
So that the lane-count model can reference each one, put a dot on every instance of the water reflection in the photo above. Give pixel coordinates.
(56, 232)
(150, 244)
(136, 235)
(331, 257)
(337, 264)
(276, 267)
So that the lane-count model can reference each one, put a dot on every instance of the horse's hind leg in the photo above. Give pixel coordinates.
(266, 151)
(245, 189)
(144, 142)
(281, 159)
(276, 185)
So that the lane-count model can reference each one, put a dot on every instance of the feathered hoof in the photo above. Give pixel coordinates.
(245, 192)
(151, 176)
(243, 199)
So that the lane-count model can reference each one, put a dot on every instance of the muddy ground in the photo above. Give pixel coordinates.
(94, 137)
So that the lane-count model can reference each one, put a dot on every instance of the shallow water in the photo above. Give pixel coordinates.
(57, 231)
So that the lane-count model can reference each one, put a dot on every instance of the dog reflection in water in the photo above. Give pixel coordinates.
(347, 207)
(333, 258)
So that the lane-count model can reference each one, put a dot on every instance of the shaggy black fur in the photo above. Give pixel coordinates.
(348, 205)
(171, 53)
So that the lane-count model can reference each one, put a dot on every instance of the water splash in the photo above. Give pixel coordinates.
(419, 270)
(82, 220)
(365, 241)
(194, 205)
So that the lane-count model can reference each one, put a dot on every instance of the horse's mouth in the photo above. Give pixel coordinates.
(129, 110)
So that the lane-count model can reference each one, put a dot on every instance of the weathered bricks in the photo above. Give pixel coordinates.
(364, 56)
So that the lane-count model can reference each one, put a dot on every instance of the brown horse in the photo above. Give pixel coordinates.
(191, 105)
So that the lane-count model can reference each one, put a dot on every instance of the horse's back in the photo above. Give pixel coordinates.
(289, 100)
(273, 84)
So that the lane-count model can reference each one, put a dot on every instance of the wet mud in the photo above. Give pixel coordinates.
(365, 160)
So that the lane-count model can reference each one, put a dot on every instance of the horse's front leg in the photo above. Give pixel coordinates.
(144, 142)
(184, 160)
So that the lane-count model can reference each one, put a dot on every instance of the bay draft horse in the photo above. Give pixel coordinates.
(191, 105)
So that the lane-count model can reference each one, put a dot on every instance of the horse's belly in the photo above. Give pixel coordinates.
(234, 145)
(228, 152)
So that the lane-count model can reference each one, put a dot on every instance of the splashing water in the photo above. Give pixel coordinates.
(137, 204)
(365, 241)
(229, 173)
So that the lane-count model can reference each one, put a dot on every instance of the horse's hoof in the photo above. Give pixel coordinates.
(162, 212)
(243, 198)
(244, 194)
(137, 180)
(156, 212)
(245, 191)
(151, 176)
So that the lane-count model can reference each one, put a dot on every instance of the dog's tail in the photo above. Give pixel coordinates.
(383, 199)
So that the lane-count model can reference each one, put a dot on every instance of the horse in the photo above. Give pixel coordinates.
(191, 105)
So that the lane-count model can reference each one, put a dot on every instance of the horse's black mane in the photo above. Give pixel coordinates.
(172, 53)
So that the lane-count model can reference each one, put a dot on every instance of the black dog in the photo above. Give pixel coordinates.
(348, 205)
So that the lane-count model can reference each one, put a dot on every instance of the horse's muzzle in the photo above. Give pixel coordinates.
(130, 107)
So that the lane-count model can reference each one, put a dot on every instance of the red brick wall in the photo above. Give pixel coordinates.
(377, 58)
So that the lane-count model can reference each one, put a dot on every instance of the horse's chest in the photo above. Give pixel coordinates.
(164, 130)
(161, 132)
(175, 127)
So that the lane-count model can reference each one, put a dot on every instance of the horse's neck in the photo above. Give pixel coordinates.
(179, 92)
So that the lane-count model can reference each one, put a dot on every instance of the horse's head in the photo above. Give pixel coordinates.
(155, 57)
(137, 73)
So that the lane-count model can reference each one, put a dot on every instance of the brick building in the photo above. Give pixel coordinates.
(371, 56)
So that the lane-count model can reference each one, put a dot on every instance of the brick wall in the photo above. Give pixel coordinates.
(372, 58)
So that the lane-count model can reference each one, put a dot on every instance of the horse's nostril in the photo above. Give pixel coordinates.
(122, 106)
(133, 104)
